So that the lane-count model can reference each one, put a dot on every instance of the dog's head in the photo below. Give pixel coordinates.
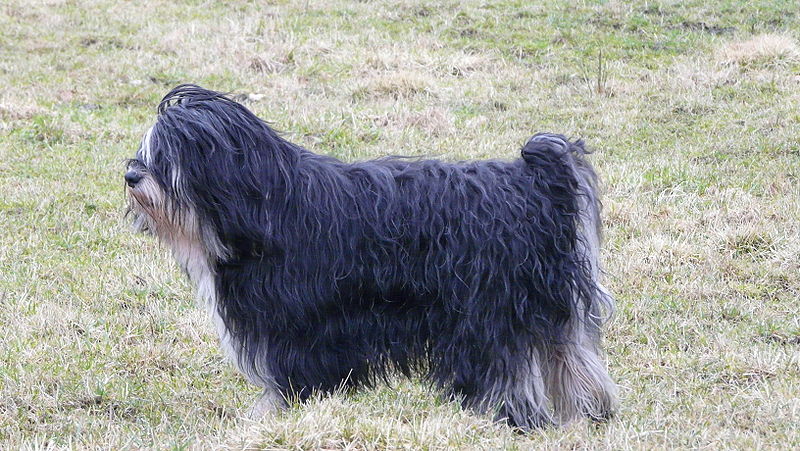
(152, 196)
(205, 170)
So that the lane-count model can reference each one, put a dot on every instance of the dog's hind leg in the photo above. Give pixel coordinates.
(513, 388)
(524, 400)
(577, 379)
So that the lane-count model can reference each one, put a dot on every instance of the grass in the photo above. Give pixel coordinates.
(693, 109)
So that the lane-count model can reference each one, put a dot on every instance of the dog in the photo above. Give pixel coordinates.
(481, 277)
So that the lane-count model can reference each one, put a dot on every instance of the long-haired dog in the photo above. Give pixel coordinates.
(480, 276)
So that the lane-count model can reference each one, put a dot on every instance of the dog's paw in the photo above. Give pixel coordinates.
(269, 402)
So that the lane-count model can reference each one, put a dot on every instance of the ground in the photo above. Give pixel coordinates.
(692, 109)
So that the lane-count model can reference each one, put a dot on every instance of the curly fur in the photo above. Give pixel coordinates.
(481, 276)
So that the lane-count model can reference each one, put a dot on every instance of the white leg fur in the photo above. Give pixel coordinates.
(270, 401)
(526, 401)
(579, 384)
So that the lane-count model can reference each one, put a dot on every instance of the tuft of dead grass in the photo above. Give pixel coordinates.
(432, 121)
(761, 50)
(394, 85)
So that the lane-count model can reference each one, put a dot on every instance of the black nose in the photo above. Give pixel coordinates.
(132, 178)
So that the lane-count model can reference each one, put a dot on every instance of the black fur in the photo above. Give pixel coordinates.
(340, 274)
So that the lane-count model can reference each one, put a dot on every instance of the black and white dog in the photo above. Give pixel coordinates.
(480, 276)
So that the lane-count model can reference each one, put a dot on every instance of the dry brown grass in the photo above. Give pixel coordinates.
(761, 49)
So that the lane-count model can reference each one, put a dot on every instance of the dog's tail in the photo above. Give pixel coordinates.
(564, 163)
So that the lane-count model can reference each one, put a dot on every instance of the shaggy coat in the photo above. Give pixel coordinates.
(480, 276)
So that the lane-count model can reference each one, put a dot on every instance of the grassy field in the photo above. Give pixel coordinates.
(693, 110)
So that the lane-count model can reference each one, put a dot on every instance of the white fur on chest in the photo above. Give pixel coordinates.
(192, 257)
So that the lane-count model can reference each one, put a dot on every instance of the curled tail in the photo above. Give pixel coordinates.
(571, 153)
(570, 178)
